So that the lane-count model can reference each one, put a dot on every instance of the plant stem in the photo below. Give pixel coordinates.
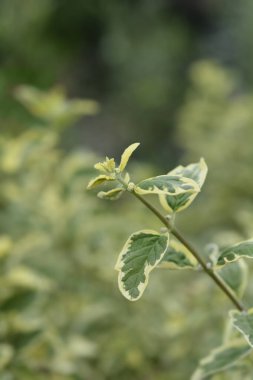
(222, 285)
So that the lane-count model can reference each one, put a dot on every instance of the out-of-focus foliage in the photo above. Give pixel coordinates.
(61, 314)
(132, 56)
(129, 55)
(217, 120)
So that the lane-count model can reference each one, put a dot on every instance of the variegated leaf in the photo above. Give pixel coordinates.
(235, 275)
(196, 172)
(112, 195)
(177, 202)
(107, 166)
(139, 256)
(177, 256)
(99, 180)
(221, 358)
(235, 252)
(126, 155)
(243, 322)
(167, 184)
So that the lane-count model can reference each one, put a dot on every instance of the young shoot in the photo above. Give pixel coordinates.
(148, 249)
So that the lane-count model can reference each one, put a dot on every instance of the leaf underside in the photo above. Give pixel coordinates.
(99, 180)
(111, 195)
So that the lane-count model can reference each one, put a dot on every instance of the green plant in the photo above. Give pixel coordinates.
(146, 250)
(39, 201)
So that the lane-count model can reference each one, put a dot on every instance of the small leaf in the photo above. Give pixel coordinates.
(111, 194)
(235, 275)
(108, 166)
(230, 254)
(178, 257)
(166, 184)
(139, 256)
(99, 180)
(243, 322)
(196, 172)
(221, 359)
(126, 155)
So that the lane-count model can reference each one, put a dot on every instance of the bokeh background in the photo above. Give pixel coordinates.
(175, 75)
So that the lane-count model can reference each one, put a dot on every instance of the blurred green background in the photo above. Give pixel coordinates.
(176, 76)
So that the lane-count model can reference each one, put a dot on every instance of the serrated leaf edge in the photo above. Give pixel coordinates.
(147, 269)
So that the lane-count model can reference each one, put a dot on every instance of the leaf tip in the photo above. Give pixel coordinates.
(127, 154)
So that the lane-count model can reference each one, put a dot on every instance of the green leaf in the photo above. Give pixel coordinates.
(196, 172)
(243, 322)
(235, 275)
(221, 359)
(139, 256)
(235, 252)
(111, 194)
(99, 180)
(126, 155)
(178, 257)
(167, 184)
